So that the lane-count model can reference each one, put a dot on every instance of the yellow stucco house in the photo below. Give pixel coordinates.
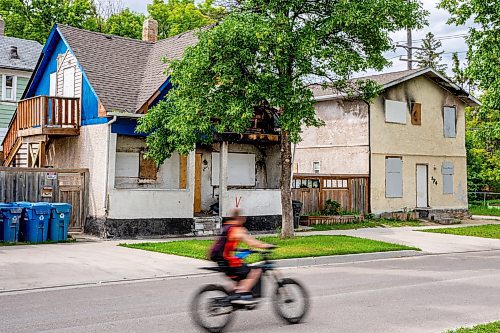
(408, 143)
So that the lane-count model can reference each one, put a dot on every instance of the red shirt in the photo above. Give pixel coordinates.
(229, 249)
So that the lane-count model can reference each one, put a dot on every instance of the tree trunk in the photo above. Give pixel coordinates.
(287, 230)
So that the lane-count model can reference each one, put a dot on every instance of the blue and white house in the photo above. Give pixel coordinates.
(80, 110)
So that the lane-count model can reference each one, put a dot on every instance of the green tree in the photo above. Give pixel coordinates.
(34, 19)
(271, 50)
(177, 16)
(125, 23)
(429, 56)
(459, 76)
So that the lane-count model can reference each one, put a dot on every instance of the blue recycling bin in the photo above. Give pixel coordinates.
(59, 221)
(10, 219)
(35, 221)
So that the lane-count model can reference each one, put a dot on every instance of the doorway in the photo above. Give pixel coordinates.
(422, 186)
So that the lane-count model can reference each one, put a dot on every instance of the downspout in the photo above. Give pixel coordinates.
(109, 123)
(369, 157)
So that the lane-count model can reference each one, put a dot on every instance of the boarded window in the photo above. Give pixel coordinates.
(127, 165)
(316, 167)
(393, 177)
(395, 112)
(53, 84)
(147, 168)
(450, 121)
(240, 169)
(448, 171)
(69, 82)
(416, 114)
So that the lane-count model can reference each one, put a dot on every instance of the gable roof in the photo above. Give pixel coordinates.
(28, 51)
(387, 80)
(125, 73)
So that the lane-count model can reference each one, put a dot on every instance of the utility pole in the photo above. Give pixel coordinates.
(409, 48)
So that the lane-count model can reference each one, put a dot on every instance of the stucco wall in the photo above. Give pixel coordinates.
(341, 145)
(418, 144)
(252, 202)
(88, 150)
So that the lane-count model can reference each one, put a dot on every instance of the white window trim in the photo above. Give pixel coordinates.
(14, 88)
(318, 163)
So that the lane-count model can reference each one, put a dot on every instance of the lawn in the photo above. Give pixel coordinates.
(298, 247)
(372, 223)
(483, 210)
(493, 327)
(485, 231)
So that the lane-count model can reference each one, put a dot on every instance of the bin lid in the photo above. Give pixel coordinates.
(10, 208)
(61, 207)
(41, 208)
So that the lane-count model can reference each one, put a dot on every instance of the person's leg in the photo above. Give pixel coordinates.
(252, 278)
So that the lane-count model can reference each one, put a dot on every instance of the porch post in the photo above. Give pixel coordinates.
(223, 176)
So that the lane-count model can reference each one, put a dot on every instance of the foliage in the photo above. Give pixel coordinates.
(125, 23)
(459, 75)
(272, 50)
(177, 16)
(485, 231)
(331, 208)
(298, 247)
(429, 56)
(372, 223)
(493, 327)
(34, 19)
(482, 210)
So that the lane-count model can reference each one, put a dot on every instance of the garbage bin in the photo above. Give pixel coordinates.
(35, 221)
(10, 219)
(59, 221)
(297, 208)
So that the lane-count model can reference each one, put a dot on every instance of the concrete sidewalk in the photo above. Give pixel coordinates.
(72, 264)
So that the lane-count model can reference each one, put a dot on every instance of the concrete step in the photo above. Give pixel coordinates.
(207, 226)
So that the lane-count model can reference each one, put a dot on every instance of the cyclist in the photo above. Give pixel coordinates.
(224, 252)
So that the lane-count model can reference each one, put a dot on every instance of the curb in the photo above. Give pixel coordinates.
(347, 258)
(486, 217)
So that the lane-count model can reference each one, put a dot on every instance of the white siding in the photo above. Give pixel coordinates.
(66, 64)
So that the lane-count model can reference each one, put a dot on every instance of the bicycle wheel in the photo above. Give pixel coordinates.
(211, 308)
(291, 301)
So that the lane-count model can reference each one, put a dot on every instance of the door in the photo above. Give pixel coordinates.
(197, 184)
(422, 186)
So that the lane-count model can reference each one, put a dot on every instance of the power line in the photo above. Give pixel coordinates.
(438, 38)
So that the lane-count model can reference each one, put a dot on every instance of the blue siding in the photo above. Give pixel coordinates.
(42, 77)
(126, 126)
(90, 105)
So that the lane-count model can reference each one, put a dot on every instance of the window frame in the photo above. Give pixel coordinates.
(14, 88)
(318, 170)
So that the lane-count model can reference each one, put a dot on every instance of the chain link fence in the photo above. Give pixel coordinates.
(484, 203)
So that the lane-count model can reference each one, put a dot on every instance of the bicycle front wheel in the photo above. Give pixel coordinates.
(211, 308)
(291, 301)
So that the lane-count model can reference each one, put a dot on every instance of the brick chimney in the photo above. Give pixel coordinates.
(150, 30)
(2, 26)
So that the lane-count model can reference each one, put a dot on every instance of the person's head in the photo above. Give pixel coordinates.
(236, 216)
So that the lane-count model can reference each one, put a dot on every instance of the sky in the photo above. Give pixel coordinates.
(437, 24)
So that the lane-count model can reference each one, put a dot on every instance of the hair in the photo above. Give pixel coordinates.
(235, 212)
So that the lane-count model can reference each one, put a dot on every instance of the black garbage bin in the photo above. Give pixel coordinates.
(297, 208)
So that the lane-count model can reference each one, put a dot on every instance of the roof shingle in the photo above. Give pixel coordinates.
(28, 51)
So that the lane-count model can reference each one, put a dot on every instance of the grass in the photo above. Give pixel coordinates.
(372, 223)
(298, 247)
(482, 210)
(485, 231)
(493, 327)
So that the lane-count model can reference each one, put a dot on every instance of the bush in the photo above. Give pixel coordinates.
(332, 207)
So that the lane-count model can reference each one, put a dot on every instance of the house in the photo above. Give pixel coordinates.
(80, 110)
(18, 58)
(408, 144)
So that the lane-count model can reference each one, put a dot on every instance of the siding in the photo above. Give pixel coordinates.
(68, 60)
(7, 109)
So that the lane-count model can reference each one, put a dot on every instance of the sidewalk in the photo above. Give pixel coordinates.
(73, 264)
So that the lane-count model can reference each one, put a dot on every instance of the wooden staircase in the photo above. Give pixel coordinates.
(35, 122)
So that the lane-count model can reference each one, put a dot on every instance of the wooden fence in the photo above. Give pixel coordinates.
(351, 191)
(48, 185)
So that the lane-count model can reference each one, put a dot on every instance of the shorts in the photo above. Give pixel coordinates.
(236, 273)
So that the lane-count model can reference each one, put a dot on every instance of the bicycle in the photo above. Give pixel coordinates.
(288, 292)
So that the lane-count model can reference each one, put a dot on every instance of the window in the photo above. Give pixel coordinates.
(335, 183)
(416, 113)
(395, 112)
(240, 169)
(305, 183)
(447, 170)
(9, 84)
(316, 167)
(69, 82)
(393, 177)
(450, 121)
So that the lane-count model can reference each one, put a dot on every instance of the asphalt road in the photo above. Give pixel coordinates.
(419, 294)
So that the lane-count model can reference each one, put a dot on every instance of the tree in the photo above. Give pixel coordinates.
(177, 16)
(429, 56)
(459, 76)
(125, 23)
(271, 50)
(34, 19)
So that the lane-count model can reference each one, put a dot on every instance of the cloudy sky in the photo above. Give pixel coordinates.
(453, 36)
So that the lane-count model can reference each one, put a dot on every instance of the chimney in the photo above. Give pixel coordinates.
(2, 26)
(150, 30)
(13, 52)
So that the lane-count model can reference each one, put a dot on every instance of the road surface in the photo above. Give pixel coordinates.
(420, 294)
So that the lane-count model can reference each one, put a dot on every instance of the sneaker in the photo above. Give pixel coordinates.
(243, 299)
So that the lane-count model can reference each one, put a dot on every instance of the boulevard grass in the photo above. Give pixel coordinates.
(482, 210)
(484, 231)
(298, 247)
(371, 223)
(493, 327)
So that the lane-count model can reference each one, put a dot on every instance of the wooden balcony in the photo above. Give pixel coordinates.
(43, 115)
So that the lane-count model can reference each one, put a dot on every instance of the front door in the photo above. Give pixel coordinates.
(422, 186)
(197, 184)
